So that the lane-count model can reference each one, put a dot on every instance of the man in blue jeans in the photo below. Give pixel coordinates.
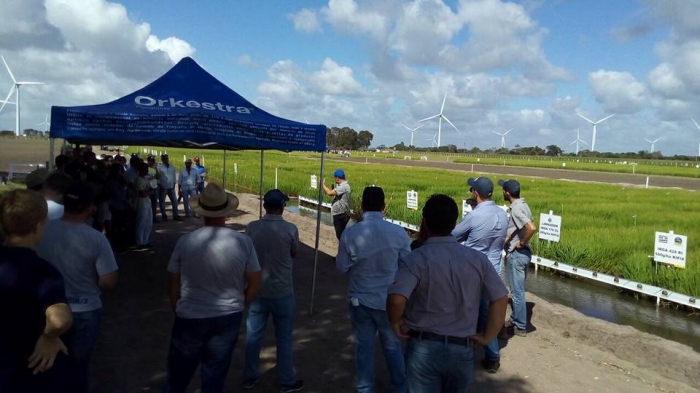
(369, 253)
(434, 303)
(484, 229)
(213, 273)
(276, 242)
(521, 228)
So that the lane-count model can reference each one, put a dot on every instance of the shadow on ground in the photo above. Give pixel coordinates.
(131, 351)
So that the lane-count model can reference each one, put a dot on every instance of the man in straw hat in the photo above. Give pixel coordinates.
(213, 273)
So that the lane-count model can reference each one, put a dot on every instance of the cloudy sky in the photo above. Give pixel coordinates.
(530, 65)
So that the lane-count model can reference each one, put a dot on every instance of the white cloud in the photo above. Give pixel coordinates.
(347, 16)
(306, 21)
(619, 92)
(336, 80)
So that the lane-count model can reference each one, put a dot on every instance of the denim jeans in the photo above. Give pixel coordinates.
(80, 340)
(518, 262)
(493, 349)
(170, 192)
(283, 313)
(366, 322)
(434, 366)
(209, 341)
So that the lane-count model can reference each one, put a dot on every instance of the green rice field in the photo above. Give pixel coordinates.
(607, 228)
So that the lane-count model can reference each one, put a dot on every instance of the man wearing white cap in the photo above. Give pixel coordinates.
(213, 273)
(187, 182)
(340, 209)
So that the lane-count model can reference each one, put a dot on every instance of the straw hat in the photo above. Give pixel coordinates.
(214, 202)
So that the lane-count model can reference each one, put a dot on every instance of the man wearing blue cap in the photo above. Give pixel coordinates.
(484, 230)
(340, 209)
(521, 228)
(276, 242)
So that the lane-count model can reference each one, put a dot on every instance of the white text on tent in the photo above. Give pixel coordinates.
(173, 103)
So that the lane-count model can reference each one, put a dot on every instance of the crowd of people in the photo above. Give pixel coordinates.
(444, 293)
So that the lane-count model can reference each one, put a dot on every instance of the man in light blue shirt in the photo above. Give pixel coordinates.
(369, 252)
(485, 229)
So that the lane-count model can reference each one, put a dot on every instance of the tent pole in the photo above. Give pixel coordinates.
(224, 174)
(52, 143)
(262, 166)
(318, 232)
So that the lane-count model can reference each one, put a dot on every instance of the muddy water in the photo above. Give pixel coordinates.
(595, 300)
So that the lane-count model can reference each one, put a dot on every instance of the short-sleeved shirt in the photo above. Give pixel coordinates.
(188, 179)
(212, 262)
(369, 252)
(274, 240)
(81, 254)
(167, 176)
(484, 229)
(444, 283)
(520, 215)
(55, 210)
(341, 200)
(152, 181)
(28, 286)
(200, 171)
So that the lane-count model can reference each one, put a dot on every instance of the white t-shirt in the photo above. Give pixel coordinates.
(152, 181)
(55, 210)
(81, 254)
(212, 262)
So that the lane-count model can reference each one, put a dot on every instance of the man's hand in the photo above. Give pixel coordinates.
(397, 327)
(45, 352)
(323, 181)
(479, 339)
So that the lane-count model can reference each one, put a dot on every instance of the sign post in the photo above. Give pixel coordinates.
(670, 249)
(314, 182)
(412, 200)
(550, 227)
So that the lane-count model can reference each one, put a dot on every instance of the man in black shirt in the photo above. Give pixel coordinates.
(32, 300)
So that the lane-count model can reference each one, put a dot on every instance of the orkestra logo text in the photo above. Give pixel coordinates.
(173, 103)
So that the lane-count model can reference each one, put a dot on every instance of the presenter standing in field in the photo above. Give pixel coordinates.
(521, 228)
(340, 209)
(202, 172)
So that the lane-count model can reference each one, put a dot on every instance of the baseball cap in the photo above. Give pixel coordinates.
(78, 197)
(483, 185)
(36, 178)
(275, 198)
(512, 186)
(188, 160)
(339, 173)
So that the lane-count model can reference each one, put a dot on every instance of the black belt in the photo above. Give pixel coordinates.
(466, 341)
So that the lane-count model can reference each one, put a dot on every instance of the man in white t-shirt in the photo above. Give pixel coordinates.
(85, 259)
(166, 187)
(187, 183)
(212, 275)
(54, 187)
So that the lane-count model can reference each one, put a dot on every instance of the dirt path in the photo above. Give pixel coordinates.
(586, 176)
(567, 351)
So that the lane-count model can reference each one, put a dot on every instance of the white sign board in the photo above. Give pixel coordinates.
(466, 208)
(235, 168)
(314, 182)
(412, 200)
(670, 248)
(550, 227)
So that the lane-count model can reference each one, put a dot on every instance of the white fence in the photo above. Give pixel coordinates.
(21, 169)
(661, 294)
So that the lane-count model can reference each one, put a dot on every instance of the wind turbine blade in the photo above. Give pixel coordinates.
(648, 140)
(12, 90)
(404, 126)
(506, 133)
(8, 70)
(572, 143)
(497, 133)
(443, 103)
(604, 119)
(30, 83)
(428, 118)
(448, 120)
(585, 143)
(418, 127)
(586, 119)
(696, 124)
(656, 140)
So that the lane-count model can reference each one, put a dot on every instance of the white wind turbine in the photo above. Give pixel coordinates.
(578, 140)
(440, 116)
(45, 123)
(15, 88)
(595, 123)
(698, 126)
(652, 143)
(413, 130)
(503, 137)
(433, 141)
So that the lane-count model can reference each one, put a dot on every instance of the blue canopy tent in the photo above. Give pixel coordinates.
(187, 107)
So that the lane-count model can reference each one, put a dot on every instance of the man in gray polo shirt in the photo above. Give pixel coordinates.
(276, 242)
(484, 229)
(521, 228)
(434, 303)
(340, 209)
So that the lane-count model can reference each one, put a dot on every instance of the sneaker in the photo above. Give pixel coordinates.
(250, 383)
(295, 387)
(491, 366)
(520, 332)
